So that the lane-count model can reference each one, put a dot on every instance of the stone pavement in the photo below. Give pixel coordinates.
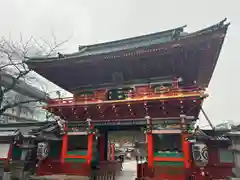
(129, 171)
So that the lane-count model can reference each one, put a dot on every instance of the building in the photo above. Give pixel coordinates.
(22, 92)
(235, 138)
(225, 125)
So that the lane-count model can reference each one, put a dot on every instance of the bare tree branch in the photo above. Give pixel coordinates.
(12, 55)
(43, 49)
(10, 64)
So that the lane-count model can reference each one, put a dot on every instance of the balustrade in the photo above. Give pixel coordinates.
(119, 95)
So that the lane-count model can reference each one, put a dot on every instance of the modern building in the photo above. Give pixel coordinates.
(22, 92)
(225, 125)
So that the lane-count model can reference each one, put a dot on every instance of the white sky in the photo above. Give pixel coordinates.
(93, 21)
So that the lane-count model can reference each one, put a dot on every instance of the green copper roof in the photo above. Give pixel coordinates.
(130, 43)
(119, 45)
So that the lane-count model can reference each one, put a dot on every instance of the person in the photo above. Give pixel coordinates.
(121, 159)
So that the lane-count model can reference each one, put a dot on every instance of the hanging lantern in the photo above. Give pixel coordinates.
(89, 122)
(149, 124)
(42, 150)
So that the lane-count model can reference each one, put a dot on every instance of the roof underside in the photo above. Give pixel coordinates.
(165, 54)
(124, 111)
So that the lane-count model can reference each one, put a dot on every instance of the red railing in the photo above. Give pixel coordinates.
(137, 95)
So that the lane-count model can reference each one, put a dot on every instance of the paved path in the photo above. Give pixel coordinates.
(129, 171)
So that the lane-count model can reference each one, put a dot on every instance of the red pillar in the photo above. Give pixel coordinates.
(90, 150)
(186, 150)
(113, 151)
(108, 152)
(150, 149)
(64, 147)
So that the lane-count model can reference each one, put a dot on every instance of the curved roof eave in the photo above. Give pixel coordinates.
(83, 51)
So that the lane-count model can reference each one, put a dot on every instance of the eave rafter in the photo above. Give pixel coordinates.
(134, 110)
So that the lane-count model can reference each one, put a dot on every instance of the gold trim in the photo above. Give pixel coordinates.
(129, 100)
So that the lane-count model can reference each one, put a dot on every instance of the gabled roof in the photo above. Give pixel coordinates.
(211, 135)
(131, 43)
(22, 128)
(19, 125)
(118, 45)
(9, 131)
(40, 130)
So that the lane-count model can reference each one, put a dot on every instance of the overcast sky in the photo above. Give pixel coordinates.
(93, 21)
